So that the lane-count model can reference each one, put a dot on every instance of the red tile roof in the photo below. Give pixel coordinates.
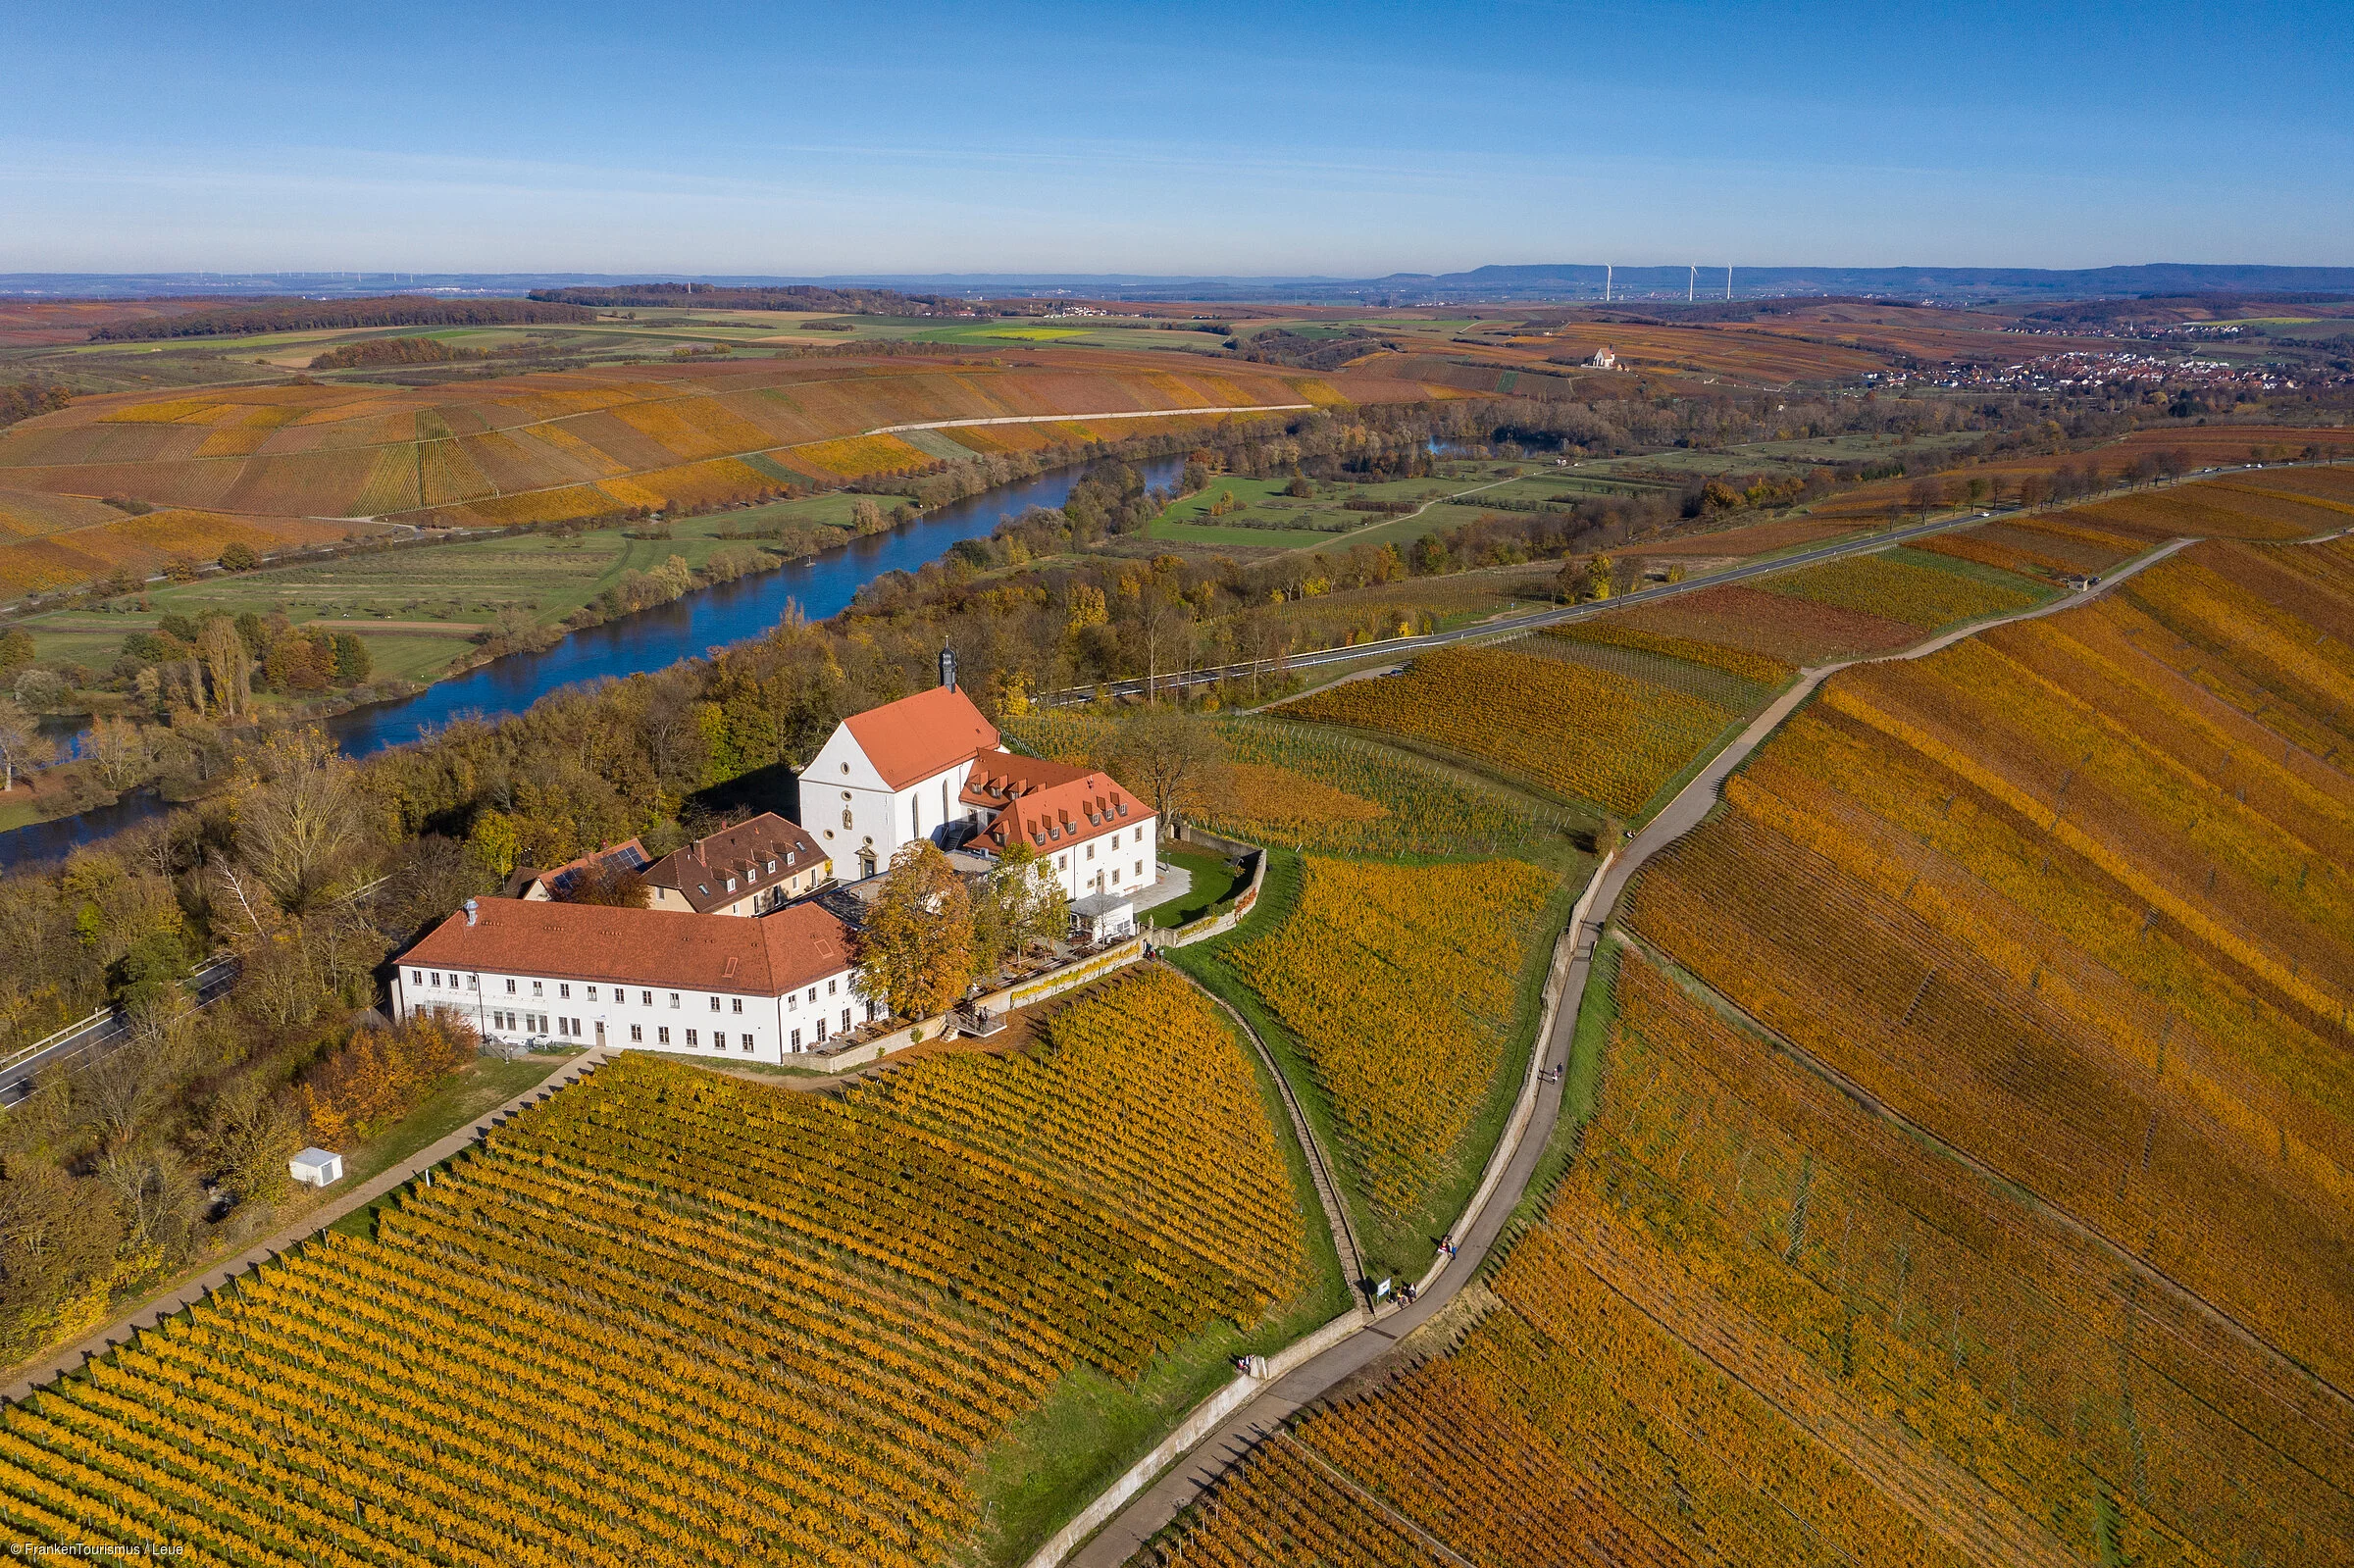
(765, 956)
(911, 739)
(628, 855)
(1069, 810)
(700, 872)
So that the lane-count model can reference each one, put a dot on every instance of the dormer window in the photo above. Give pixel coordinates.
(731, 884)
(771, 867)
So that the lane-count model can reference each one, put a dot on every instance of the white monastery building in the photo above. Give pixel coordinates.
(700, 985)
(682, 976)
(931, 767)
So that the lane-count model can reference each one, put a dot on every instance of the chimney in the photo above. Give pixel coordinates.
(473, 911)
(948, 669)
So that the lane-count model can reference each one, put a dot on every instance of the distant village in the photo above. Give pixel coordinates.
(749, 939)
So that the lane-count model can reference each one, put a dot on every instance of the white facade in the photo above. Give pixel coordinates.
(1124, 860)
(568, 1010)
(858, 818)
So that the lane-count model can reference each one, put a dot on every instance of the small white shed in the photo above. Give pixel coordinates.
(317, 1166)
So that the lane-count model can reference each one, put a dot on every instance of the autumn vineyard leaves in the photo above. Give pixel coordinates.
(672, 1316)
(1962, 1171)
(1968, 1181)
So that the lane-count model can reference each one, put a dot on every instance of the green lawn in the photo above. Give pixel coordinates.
(465, 1097)
(1213, 880)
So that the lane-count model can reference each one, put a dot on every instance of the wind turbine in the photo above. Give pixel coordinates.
(1728, 280)
(1605, 283)
(1690, 284)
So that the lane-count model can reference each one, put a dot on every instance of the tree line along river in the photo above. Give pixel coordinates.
(733, 612)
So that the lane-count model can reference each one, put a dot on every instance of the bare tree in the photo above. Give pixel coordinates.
(23, 746)
(155, 1195)
(1161, 753)
(301, 825)
(228, 664)
(128, 1084)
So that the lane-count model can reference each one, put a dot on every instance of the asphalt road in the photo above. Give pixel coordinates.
(208, 983)
(1562, 615)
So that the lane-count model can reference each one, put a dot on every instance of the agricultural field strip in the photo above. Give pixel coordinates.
(153, 1312)
(1056, 419)
(1244, 1431)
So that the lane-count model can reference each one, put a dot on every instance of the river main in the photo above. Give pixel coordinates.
(733, 612)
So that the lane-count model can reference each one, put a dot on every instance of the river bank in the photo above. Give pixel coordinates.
(818, 586)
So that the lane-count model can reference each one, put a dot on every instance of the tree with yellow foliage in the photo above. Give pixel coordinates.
(915, 952)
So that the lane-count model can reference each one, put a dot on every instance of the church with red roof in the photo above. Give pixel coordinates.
(931, 767)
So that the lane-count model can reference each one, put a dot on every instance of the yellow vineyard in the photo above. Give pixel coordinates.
(677, 1317)
(1400, 983)
(1576, 730)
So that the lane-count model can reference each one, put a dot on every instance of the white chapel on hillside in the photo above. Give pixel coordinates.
(930, 765)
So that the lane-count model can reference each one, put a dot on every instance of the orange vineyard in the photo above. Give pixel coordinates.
(1972, 1171)
(782, 1324)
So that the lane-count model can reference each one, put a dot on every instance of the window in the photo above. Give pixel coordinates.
(661, 1036)
(1062, 862)
(1090, 851)
(436, 979)
(845, 817)
(592, 993)
(637, 1034)
(510, 988)
(747, 1039)
(1115, 875)
(772, 864)
(739, 1001)
(715, 1005)
(690, 1037)
(646, 998)
(796, 1040)
(538, 989)
(473, 983)
(674, 999)
(1139, 868)
(813, 993)
(564, 992)
(828, 990)
(846, 1021)
(731, 884)
(416, 977)
(821, 1031)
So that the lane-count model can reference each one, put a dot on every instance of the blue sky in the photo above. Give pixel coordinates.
(1265, 138)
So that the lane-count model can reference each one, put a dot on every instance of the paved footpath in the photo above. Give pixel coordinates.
(157, 1308)
(1254, 1423)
